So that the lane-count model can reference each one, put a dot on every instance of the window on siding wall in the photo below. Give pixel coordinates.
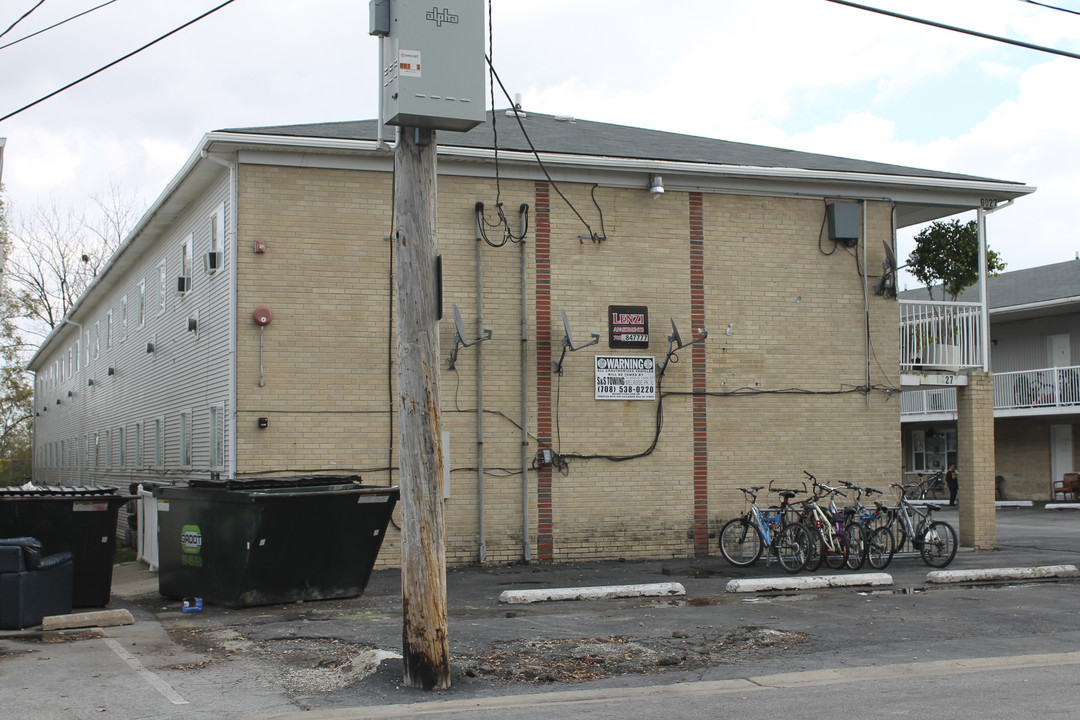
(216, 257)
(217, 437)
(159, 443)
(183, 283)
(185, 439)
(139, 444)
(96, 339)
(108, 330)
(121, 446)
(76, 357)
(163, 286)
(123, 318)
(97, 450)
(141, 304)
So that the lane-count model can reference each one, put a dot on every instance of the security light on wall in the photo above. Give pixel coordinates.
(656, 186)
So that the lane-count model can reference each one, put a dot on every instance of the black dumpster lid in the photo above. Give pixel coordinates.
(59, 491)
(265, 483)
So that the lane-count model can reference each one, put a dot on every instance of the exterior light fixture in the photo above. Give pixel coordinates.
(656, 186)
(112, 371)
(90, 382)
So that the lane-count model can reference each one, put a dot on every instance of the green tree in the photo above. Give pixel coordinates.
(16, 389)
(948, 253)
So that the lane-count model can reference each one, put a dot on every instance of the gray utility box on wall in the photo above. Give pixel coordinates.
(432, 62)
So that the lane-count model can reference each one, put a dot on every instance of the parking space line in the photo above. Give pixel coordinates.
(153, 679)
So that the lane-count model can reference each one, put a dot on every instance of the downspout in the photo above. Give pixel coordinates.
(480, 390)
(231, 232)
(526, 549)
(866, 295)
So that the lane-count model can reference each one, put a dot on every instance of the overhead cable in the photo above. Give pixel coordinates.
(24, 16)
(965, 31)
(1052, 7)
(56, 25)
(117, 61)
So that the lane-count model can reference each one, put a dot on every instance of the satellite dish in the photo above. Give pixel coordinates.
(890, 257)
(458, 324)
(675, 334)
(566, 327)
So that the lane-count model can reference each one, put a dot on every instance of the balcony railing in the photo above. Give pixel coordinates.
(1046, 388)
(940, 335)
(1024, 392)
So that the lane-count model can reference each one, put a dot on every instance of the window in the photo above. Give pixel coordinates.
(159, 443)
(108, 450)
(97, 339)
(141, 309)
(73, 359)
(123, 318)
(97, 450)
(217, 437)
(138, 444)
(76, 357)
(185, 439)
(163, 285)
(88, 334)
(216, 257)
(932, 450)
(121, 445)
(108, 330)
(183, 283)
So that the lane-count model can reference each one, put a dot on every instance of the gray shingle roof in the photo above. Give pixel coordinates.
(1019, 287)
(554, 134)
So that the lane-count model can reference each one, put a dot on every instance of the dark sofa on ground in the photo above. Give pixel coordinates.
(32, 586)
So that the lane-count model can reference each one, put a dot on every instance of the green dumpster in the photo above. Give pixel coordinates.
(242, 543)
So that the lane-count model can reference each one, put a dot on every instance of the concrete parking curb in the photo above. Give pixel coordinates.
(592, 593)
(1014, 573)
(810, 582)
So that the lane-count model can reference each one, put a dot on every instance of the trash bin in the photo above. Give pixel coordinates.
(79, 520)
(243, 543)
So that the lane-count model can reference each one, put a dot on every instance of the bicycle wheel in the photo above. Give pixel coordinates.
(836, 556)
(856, 538)
(879, 548)
(793, 548)
(816, 553)
(938, 546)
(740, 542)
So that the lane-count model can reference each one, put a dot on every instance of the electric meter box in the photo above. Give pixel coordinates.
(432, 62)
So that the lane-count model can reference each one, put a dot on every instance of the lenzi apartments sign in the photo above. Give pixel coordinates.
(625, 378)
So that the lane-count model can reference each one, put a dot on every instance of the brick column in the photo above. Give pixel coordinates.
(975, 461)
(542, 248)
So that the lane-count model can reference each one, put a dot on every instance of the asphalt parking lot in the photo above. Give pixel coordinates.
(326, 656)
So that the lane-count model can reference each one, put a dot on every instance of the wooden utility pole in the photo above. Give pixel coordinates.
(425, 641)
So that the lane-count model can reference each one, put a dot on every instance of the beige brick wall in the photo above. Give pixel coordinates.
(798, 323)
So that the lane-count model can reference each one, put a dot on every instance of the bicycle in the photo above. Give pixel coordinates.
(868, 541)
(934, 540)
(932, 486)
(831, 542)
(745, 538)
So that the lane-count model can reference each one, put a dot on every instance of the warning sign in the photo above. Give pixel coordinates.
(625, 378)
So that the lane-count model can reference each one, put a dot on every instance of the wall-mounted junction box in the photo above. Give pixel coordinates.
(432, 62)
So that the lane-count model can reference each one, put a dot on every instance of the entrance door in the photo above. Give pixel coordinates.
(1060, 355)
(1061, 451)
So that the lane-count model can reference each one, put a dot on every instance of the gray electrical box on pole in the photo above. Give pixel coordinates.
(432, 64)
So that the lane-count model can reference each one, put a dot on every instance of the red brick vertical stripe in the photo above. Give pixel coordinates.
(542, 225)
(701, 425)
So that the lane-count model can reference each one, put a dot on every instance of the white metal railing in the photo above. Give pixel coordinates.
(928, 402)
(1045, 388)
(940, 335)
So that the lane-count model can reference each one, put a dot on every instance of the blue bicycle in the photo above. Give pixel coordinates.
(744, 539)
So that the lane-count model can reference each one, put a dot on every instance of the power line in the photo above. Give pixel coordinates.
(117, 61)
(56, 25)
(1052, 7)
(24, 16)
(965, 31)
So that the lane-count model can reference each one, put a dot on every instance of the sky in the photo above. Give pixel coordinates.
(806, 75)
